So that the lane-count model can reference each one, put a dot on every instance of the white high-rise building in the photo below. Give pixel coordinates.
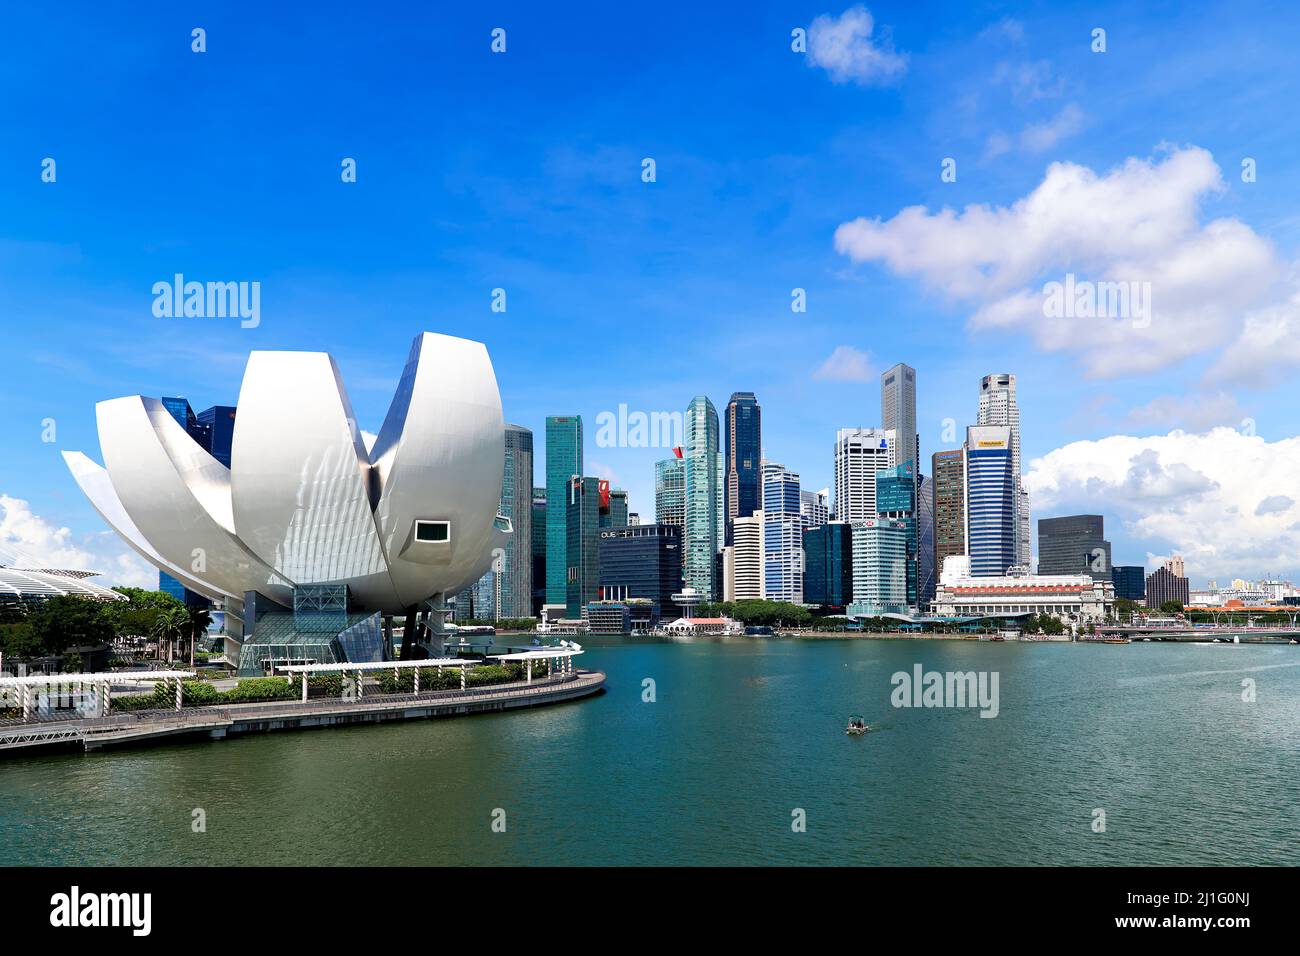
(743, 560)
(859, 454)
(815, 508)
(998, 407)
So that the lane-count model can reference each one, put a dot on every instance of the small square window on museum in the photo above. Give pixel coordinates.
(433, 531)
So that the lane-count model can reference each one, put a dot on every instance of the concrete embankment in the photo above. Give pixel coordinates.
(219, 722)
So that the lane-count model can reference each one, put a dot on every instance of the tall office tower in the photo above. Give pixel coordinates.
(879, 567)
(990, 500)
(828, 564)
(898, 409)
(582, 550)
(485, 595)
(642, 561)
(615, 515)
(703, 529)
(859, 454)
(218, 425)
(896, 500)
(539, 550)
(181, 411)
(563, 463)
(745, 560)
(1130, 582)
(742, 450)
(782, 535)
(948, 500)
(1074, 544)
(815, 508)
(670, 492)
(927, 580)
(998, 407)
(1164, 585)
(516, 573)
(1175, 566)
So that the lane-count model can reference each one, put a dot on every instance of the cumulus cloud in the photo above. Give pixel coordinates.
(28, 540)
(1218, 498)
(1210, 283)
(843, 47)
(845, 364)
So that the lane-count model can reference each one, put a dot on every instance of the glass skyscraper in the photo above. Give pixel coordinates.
(563, 463)
(644, 561)
(990, 500)
(742, 451)
(539, 550)
(218, 424)
(828, 564)
(1074, 544)
(703, 528)
(879, 567)
(582, 550)
(782, 535)
(670, 492)
(896, 499)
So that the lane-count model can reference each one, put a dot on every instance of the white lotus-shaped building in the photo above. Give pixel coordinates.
(303, 501)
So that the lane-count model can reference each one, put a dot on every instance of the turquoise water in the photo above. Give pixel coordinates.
(742, 733)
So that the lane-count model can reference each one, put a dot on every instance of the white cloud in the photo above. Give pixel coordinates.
(845, 364)
(843, 47)
(28, 540)
(1196, 413)
(1216, 497)
(1040, 137)
(1137, 223)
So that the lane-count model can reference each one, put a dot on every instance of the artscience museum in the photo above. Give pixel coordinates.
(311, 541)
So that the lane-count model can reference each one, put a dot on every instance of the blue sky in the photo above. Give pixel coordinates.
(522, 171)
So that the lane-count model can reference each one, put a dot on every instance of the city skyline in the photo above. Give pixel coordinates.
(778, 173)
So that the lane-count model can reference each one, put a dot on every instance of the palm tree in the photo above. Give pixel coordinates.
(170, 625)
(199, 621)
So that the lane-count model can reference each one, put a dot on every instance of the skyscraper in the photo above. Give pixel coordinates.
(990, 500)
(879, 567)
(582, 551)
(859, 454)
(218, 425)
(1130, 582)
(896, 500)
(516, 585)
(642, 561)
(1074, 544)
(615, 516)
(703, 529)
(181, 411)
(815, 507)
(563, 463)
(998, 406)
(949, 503)
(1165, 585)
(539, 550)
(743, 567)
(782, 535)
(742, 451)
(926, 578)
(828, 564)
(898, 410)
(670, 492)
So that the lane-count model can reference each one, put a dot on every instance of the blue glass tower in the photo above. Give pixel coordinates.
(563, 463)
(991, 505)
(742, 452)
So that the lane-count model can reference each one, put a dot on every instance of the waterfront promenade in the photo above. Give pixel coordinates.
(218, 722)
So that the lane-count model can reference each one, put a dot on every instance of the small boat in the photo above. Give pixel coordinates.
(1116, 640)
(857, 725)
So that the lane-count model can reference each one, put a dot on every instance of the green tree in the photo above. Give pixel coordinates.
(1172, 607)
(170, 626)
(65, 621)
(17, 641)
(200, 618)
(1124, 608)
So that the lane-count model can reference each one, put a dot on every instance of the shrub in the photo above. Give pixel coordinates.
(135, 702)
(253, 689)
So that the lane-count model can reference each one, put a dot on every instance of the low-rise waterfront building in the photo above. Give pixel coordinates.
(1072, 598)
